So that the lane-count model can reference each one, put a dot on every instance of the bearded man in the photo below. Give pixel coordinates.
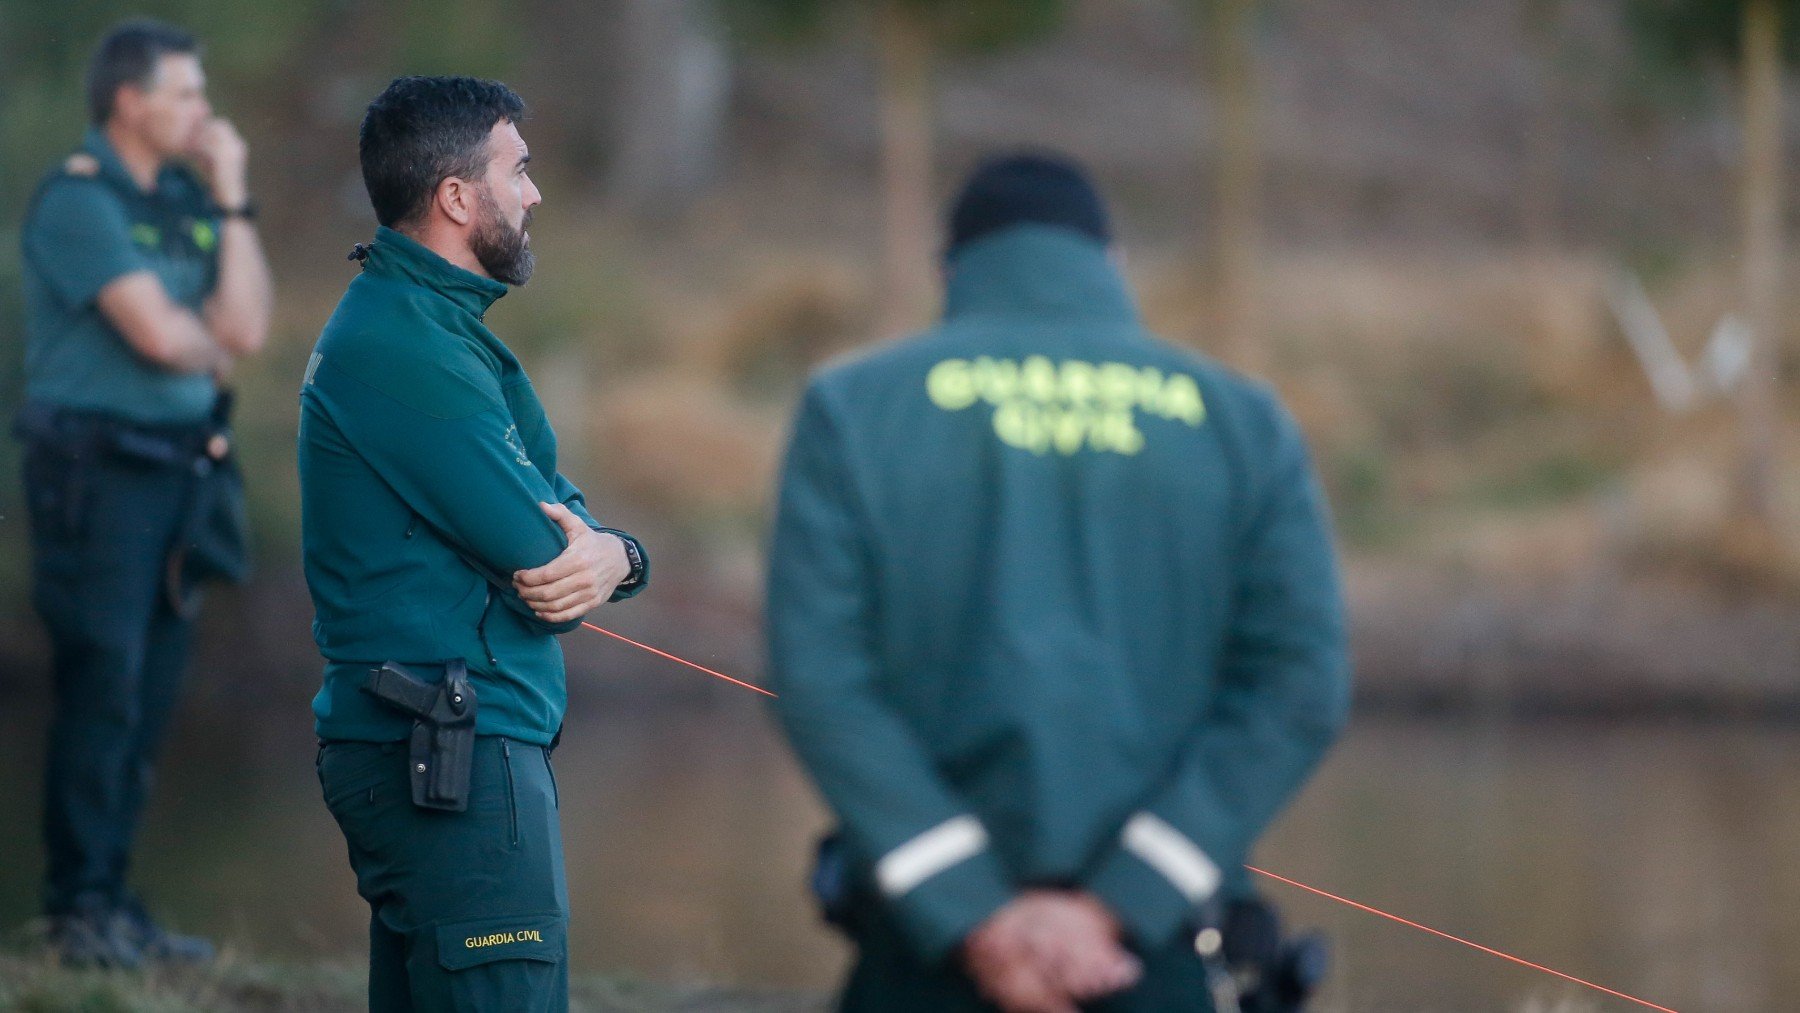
(444, 552)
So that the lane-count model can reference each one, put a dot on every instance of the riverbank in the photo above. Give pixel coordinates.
(1429, 638)
(1434, 641)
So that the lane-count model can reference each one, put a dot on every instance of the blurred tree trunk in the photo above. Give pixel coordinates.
(671, 106)
(1229, 30)
(637, 90)
(1762, 213)
(1540, 197)
(904, 51)
(1557, 345)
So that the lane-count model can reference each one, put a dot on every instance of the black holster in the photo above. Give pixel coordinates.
(845, 897)
(442, 749)
(213, 537)
(1257, 967)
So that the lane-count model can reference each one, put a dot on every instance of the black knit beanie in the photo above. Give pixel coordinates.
(1015, 189)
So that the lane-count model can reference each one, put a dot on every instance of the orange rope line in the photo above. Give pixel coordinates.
(1261, 872)
(1455, 939)
(683, 661)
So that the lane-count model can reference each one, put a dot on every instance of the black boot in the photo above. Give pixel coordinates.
(158, 944)
(94, 934)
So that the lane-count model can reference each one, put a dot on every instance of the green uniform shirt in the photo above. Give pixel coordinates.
(424, 455)
(1050, 601)
(89, 225)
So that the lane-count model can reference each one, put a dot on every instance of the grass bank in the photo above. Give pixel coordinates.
(237, 983)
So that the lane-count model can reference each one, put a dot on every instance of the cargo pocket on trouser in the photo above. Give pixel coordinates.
(509, 962)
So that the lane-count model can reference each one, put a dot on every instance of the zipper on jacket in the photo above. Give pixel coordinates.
(487, 603)
(555, 795)
(512, 800)
(412, 525)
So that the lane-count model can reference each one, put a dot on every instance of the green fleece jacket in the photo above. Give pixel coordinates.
(424, 455)
(1050, 602)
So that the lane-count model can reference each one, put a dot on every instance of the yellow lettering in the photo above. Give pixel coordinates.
(1040, 404)
(1118, 433)
(1077, 381)
(996, 380)
(1017, 424)
(951, 386)
(1071, 428)
(1181, 400)
(1038, 378)
(1118, 385)
(1150, 385)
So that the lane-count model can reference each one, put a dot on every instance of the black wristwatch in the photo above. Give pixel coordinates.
(247, 211)
(634, 554)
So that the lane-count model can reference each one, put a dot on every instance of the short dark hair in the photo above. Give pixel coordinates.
(421, 131)
(1028, 186)
(127, 55)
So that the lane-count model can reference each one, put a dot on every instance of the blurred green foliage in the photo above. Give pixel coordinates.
(1359, 483)
(1686, 34)
(966, 25)
(1558, 476)
(44, 49)
(268, 65)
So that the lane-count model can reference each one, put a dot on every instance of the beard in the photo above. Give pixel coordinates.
(501, 249)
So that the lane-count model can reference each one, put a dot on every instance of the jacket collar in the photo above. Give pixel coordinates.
(397, 255)
(112, 167)
(1036, 271)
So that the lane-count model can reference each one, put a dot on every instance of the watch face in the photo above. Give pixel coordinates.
(635, 558)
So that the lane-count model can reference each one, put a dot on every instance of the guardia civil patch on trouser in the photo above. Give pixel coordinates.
(503, 937)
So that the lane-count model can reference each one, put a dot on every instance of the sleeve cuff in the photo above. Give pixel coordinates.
(620, 594)
(1155, 880)
(941, 885)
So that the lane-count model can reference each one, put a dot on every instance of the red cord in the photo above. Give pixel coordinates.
(1455, 939)
(671, 657)
(1261, 872)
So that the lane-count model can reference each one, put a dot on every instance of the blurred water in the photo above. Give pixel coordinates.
(1657, 860)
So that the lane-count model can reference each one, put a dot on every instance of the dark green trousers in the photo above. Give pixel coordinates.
(469, 910)
(101, 530)
(888, 979)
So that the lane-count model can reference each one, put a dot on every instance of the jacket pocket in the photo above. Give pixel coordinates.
(505, 937)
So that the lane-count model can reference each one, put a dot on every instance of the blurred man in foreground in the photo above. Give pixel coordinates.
(144, 282)
(444, 552)
(1056, 626)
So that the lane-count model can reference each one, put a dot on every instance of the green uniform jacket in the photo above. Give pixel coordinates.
(89, 225)
(424, 455)
(1050, 601)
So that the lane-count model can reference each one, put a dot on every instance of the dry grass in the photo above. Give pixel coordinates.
(1470, 407)
(34, 983)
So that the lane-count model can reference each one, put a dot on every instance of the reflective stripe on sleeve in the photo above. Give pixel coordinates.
(950, 842)
(1169, 852)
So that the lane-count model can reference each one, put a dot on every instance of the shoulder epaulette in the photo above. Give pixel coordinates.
(81, 164)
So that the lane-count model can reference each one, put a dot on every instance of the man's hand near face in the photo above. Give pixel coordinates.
(1047, 951)
(222, 157)
(578, 580)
